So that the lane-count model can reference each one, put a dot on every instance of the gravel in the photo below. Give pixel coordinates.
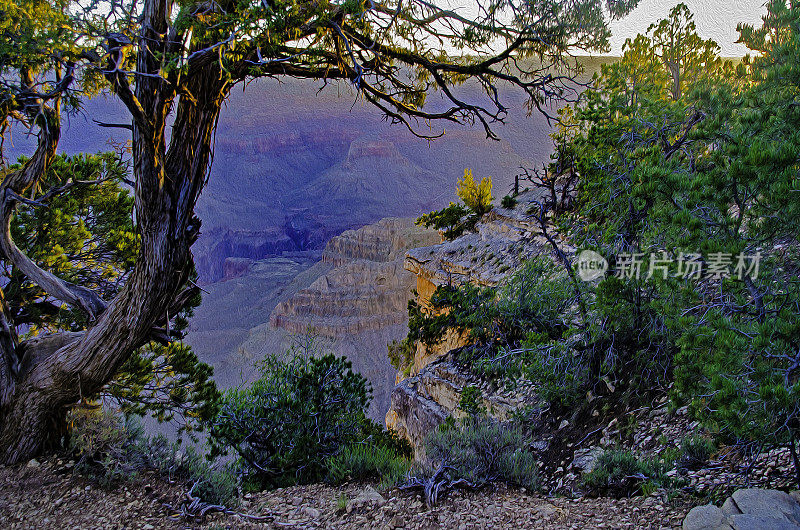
(49, 496)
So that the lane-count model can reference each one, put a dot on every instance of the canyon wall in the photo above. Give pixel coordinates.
(429, 391)
(360, 304)
(367, 289)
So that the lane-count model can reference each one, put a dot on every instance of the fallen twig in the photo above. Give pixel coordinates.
(194, 509)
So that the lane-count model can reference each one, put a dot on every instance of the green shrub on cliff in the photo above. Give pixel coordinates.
(110, 448)
(289, 426)
(535, 298)
(480, 451)
(458, 218)
(508, 202)
(452, 221)
(471, 401)
(401, 354)
(622, 474)
(465, 308)
(361, 461)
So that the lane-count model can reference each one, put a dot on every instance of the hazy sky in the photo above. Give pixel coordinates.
(715, 19)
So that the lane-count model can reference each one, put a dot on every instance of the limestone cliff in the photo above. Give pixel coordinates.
(359, 303)
(430, 390)
(422, 402)
(367, 289)
(503, 240)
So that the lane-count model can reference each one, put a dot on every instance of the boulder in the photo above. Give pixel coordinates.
(748, 509)
(746, 521)
(729, 507)
(707, 517)
(769, 503)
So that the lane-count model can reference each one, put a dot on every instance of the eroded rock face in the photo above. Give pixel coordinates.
(360, 302)
(213, 249)
(387, 240)
(368, 288)
(430, 389)
(504, 240)
(235, 267)
(354, 297)
(421, 403)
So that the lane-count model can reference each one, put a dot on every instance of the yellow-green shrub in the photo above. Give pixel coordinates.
(477, 196)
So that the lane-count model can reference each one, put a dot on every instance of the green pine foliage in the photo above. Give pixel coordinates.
(471, 401)
(508, 202)
(87, 236)
(535, 298)
(682, 152)
(452, 221)
(678, 152)
(458, 218)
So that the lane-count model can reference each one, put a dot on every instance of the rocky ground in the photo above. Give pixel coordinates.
(49, 496)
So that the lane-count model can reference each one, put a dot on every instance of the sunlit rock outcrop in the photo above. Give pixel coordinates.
(430, 390)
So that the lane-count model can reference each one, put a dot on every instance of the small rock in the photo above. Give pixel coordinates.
(369, 495)
(308, 511)
(397, 521)
(540, 446)
(707, 517)
(33, 463)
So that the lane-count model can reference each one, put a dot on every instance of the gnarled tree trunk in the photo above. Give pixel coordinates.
(41, 378)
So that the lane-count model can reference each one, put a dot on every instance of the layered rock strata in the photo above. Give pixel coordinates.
(422, 402)
(504, 239)
(368, 288)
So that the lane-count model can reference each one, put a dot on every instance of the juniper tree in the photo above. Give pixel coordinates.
(87, 236)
